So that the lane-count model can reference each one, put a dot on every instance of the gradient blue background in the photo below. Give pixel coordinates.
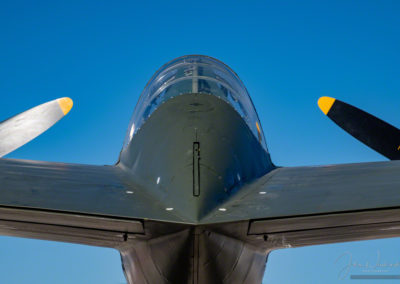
(288, 54)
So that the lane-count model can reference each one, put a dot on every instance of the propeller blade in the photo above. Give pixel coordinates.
(372, 131)
(22, 128)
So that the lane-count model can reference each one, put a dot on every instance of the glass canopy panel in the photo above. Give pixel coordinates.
(195, 74)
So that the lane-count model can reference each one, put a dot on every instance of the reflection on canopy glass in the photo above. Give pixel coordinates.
(195, 74)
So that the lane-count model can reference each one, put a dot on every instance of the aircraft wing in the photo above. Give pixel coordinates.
(94, 205)
(100, 205)
(314, 205)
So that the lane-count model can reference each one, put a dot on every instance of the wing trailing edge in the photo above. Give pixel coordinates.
(314, 205)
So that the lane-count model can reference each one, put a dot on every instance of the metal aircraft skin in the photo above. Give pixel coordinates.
(194, 197)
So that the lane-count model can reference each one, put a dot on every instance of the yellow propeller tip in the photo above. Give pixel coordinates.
(65, 104)
(325, 104)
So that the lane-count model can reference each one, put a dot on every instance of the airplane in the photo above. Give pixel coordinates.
(194, 196)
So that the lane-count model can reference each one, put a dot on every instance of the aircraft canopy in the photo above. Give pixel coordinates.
(195, 74)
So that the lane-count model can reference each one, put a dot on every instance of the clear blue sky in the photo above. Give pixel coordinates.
(288, 54)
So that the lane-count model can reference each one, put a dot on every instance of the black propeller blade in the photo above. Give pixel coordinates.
(372, 131)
